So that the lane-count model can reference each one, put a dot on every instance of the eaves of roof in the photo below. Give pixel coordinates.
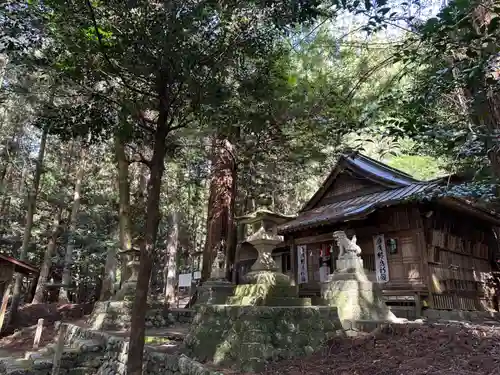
(355, 208)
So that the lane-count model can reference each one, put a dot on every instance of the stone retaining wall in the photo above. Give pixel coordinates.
(116, 351)
(180, 315)
(89, 352)
(116, 315)
(248, 336)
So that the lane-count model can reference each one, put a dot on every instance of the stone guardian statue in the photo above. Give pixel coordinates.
(350, 252)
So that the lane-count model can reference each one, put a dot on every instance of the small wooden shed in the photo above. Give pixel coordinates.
(9, 266)
(437, 252)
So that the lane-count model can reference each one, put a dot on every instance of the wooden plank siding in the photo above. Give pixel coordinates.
(347, 186)
(407, 270)
(445, 266)
(444, 251)
(459, 260)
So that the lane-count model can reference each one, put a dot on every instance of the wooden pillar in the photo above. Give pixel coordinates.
(3, 285)
(418, 306)
(293, 263)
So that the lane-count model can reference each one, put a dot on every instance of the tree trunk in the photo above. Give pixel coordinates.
(73, 221)
(47, 259)
(125, 230)
(16, 295)
(108, 281)
(55, 232)
(5, 196)
(171, 256)
(3, 65)
(8, 153)
(221, 202)
(152, 218)
(124, 235)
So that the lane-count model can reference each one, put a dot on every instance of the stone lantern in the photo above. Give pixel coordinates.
(264, 238)
(132, 259)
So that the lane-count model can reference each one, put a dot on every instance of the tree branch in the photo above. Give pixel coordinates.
(138, 157)
(106, 57)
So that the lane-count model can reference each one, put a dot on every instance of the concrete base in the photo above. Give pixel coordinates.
(356, 297)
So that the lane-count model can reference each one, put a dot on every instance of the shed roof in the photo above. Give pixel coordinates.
(19, 266)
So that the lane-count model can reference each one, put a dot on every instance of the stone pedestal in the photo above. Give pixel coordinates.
(264, 247)
(217, 289)
(215, 292)
(355, 295)
(349, 261)
(128, 288)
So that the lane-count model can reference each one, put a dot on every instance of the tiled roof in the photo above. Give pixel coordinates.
(371, 169)
(355, 207)
(380, 170)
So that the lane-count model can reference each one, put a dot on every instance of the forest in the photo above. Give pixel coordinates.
(153, 124)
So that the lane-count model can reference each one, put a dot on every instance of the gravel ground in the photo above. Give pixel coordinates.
(440, 349)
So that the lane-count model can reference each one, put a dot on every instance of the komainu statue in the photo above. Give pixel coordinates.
(219, 266)
(346, 245)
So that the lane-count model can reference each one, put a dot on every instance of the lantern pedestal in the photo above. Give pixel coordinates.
(128, 288)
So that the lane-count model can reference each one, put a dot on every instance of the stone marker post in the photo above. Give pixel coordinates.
(56, 366)
(38, 334)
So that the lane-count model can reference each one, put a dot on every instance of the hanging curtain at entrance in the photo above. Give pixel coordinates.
(302, 262)
(381, 265)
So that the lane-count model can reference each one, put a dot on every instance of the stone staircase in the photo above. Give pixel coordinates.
(81, 357)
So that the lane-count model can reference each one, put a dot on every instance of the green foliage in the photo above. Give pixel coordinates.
(446, 99)
(418, 166)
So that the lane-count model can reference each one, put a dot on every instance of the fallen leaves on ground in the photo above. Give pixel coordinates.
(433, 349)
(18, 337)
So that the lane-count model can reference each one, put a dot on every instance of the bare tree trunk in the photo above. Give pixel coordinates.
(171, 256)
(16, 295)
(47, 259)
(3, 65)
(73, 221)
(55, 232)
(125, 236)
(11, 148)
(152, 219)
(221, 202)
(6, 198)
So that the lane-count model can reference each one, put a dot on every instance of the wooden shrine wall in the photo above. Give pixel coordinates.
(347, 184)
(407, 269)
(459, 259)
